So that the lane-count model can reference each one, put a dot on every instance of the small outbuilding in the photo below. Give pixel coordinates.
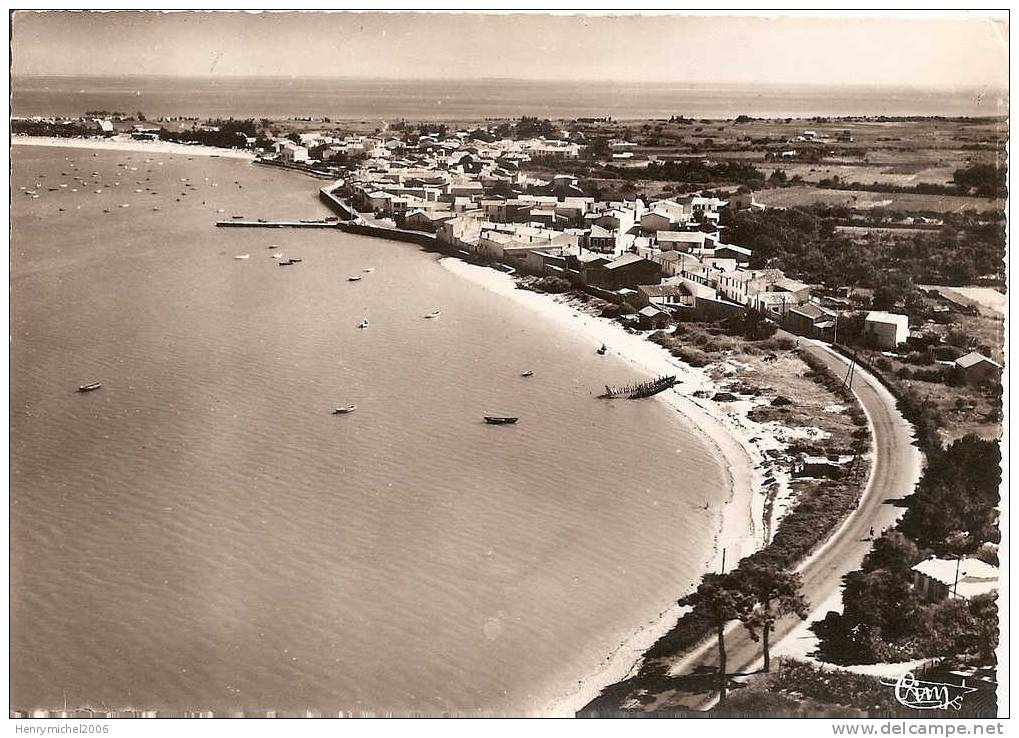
(978, 368)
(652, 318)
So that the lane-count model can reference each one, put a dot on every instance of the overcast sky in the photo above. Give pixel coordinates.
(911, 52)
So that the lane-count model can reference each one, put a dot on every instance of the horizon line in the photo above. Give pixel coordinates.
(872, 85)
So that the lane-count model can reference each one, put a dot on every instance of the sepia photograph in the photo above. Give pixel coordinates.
(508, 364)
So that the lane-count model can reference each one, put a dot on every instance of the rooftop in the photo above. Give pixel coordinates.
(974, 576)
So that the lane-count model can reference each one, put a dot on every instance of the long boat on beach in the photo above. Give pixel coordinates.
(500, 419)
(640, 389)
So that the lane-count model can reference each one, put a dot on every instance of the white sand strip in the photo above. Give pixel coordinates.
(119, 143)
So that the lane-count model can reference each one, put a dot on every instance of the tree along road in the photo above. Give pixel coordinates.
(896, 468)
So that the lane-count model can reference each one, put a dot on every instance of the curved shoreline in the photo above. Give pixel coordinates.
(129, 144)
(739, 518)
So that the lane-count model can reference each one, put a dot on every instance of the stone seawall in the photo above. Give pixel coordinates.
(424, 239)
(336, 204)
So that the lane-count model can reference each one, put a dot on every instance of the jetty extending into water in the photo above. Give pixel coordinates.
(277, 223)
(641, 389)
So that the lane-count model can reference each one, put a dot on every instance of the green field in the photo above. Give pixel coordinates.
(788, 197)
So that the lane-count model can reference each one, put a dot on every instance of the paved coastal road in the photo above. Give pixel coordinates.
(895, 473)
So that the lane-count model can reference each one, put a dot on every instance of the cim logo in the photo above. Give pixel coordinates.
(921, 695)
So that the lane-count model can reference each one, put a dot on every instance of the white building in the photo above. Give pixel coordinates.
(886, 330)
(291, 152)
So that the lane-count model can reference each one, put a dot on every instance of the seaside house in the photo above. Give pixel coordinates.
(427, 220)
(675, 293)
(292, 153)
(460, 231)
(885, 330)
(628, 270)
(935, 580)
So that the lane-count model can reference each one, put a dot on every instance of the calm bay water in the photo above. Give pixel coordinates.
(202, 532)
(479, 99)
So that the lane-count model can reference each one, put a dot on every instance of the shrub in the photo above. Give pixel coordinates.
(553, 285)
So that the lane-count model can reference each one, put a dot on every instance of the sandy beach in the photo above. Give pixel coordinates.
(738, 442)
(120, 143)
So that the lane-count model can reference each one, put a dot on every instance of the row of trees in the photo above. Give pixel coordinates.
(757, 594)
(229, 133)
(804, 243)
(70, 129)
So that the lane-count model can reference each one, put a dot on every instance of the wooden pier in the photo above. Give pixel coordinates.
(277, 224)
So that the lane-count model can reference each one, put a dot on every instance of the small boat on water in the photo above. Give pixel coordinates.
(90, 386)
(363, 323)
(602, 351)
(235, 217)
(369, 270)
(354, 278)
(345, 410)
(434, 314)
(500, 419)
(286, 262)
(243, 256)
(294, 260)
(273, 246)
(527, 373)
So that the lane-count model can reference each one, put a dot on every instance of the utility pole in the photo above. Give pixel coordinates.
(723, 561)
(955, 585)
(848, 381)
